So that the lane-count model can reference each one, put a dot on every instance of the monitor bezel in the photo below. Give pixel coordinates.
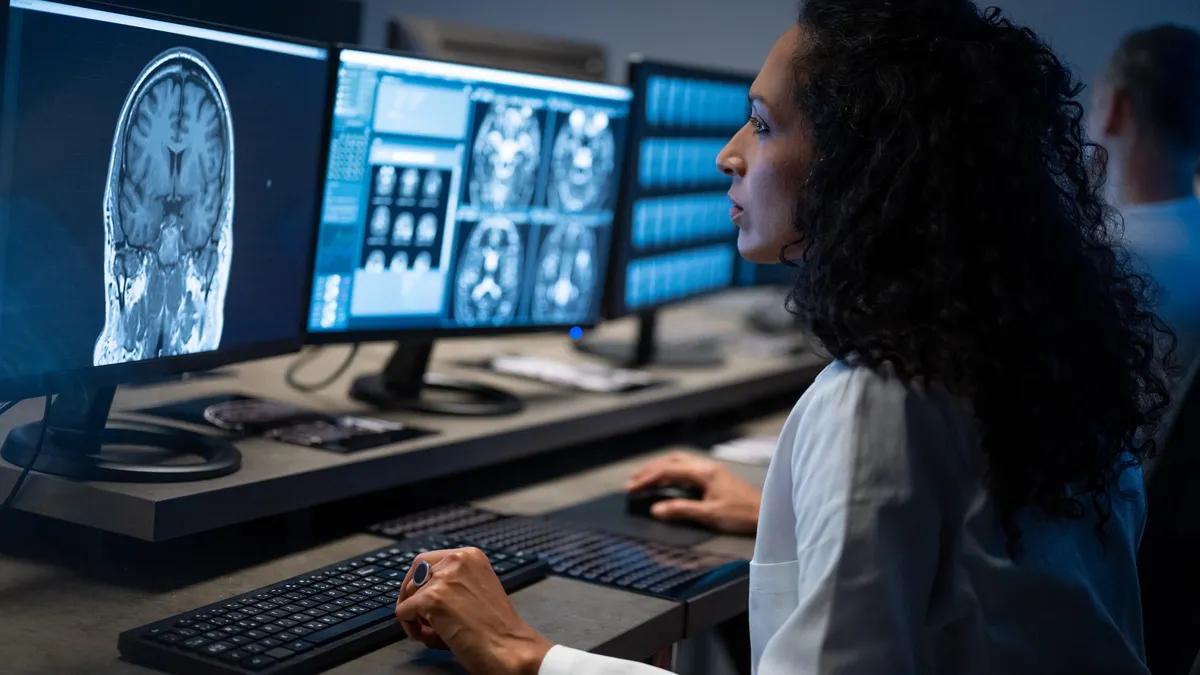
(113, 375)
(638, 72)
(422, 334)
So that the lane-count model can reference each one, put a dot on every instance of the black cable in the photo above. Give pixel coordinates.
(37, 450)
(307, 358)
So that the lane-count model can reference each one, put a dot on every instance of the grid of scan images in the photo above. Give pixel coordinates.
(405, 230)
(536, 212)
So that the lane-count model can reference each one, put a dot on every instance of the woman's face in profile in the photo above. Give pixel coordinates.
(767, 159)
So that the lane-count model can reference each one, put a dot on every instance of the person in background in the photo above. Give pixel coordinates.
(1146, 115)
(959, 492)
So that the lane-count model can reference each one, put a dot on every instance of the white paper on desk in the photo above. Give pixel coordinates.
(747, 450)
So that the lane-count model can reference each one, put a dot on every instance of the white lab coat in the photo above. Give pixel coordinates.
(879, 552)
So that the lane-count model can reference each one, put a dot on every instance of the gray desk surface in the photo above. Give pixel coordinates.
(58, 622)
(277, 478)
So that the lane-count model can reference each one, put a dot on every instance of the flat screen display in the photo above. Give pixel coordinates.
(464, 199)
(156, 189)
(675, 240)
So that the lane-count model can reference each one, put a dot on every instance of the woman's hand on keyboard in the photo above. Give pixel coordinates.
(730, 504)
(463, 608)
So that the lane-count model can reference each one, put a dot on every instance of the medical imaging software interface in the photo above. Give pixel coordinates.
(681, 243)
(159, 188)
(465, 198)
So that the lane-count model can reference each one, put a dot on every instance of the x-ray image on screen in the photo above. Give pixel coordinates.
(566, 275)
(168, 213)
(506, 157)
(582, 162)
(487, 287)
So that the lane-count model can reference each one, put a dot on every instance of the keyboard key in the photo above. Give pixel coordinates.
(299, 646)
(253, 648)
(194, 643)
(259, 662)
(214, 635)
(270, 643)
(281, 653)
(235, 655)
(216, 648)
(169, 638)
(345, 627)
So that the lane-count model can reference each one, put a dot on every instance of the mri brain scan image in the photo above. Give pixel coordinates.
(427, 230)
(566, 275)
(423, 262)
(168, 213)
(380, 221)
(385, 181)
(505, 158)
(376, 261)
(409, 182)
(432, 187)
(582, 162)
(399, 262)
(488, 283)
(402, 231)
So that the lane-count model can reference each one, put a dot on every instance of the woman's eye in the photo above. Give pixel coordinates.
(759, 127)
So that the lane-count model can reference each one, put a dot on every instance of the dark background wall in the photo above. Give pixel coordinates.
(738, 33)
(322, 20)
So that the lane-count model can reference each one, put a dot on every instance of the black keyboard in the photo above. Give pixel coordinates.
(440, 520)
(572, 551)
(307, 623)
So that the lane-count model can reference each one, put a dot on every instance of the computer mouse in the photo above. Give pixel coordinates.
(640, 501)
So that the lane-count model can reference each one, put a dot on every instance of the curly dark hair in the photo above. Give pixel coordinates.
(953, 226)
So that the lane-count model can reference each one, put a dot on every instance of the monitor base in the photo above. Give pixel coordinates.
(405, 384)
(648, 350)
(78, 444)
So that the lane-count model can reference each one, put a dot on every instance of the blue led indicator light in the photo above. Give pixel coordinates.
(576, 333)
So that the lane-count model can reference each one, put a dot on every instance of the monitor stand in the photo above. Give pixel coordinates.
(647, 350)
(406, 384)
(77, 441)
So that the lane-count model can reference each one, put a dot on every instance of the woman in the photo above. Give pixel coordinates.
(959, 491)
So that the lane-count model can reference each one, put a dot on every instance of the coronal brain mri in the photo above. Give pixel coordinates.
(566, 275)
(582, 162)
(168, 213)
(506, 157)
(488, 284)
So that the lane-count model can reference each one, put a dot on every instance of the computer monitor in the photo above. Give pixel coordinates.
(461, 200)
(158, 208)
(673, 240)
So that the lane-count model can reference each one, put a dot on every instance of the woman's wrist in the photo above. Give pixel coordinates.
(525, 653)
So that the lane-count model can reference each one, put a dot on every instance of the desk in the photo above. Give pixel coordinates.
(59, 622)
(277, 478)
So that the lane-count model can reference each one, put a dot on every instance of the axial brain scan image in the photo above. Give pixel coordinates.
(489, 274)
(566, 275)
(506, 157)
(168, 213)
(402, 231)
(582, 161)
(385, 181)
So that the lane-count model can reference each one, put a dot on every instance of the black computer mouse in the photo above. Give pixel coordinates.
(639, 502)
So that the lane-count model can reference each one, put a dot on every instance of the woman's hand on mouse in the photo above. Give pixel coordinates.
(463, 607)
(730, 504)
